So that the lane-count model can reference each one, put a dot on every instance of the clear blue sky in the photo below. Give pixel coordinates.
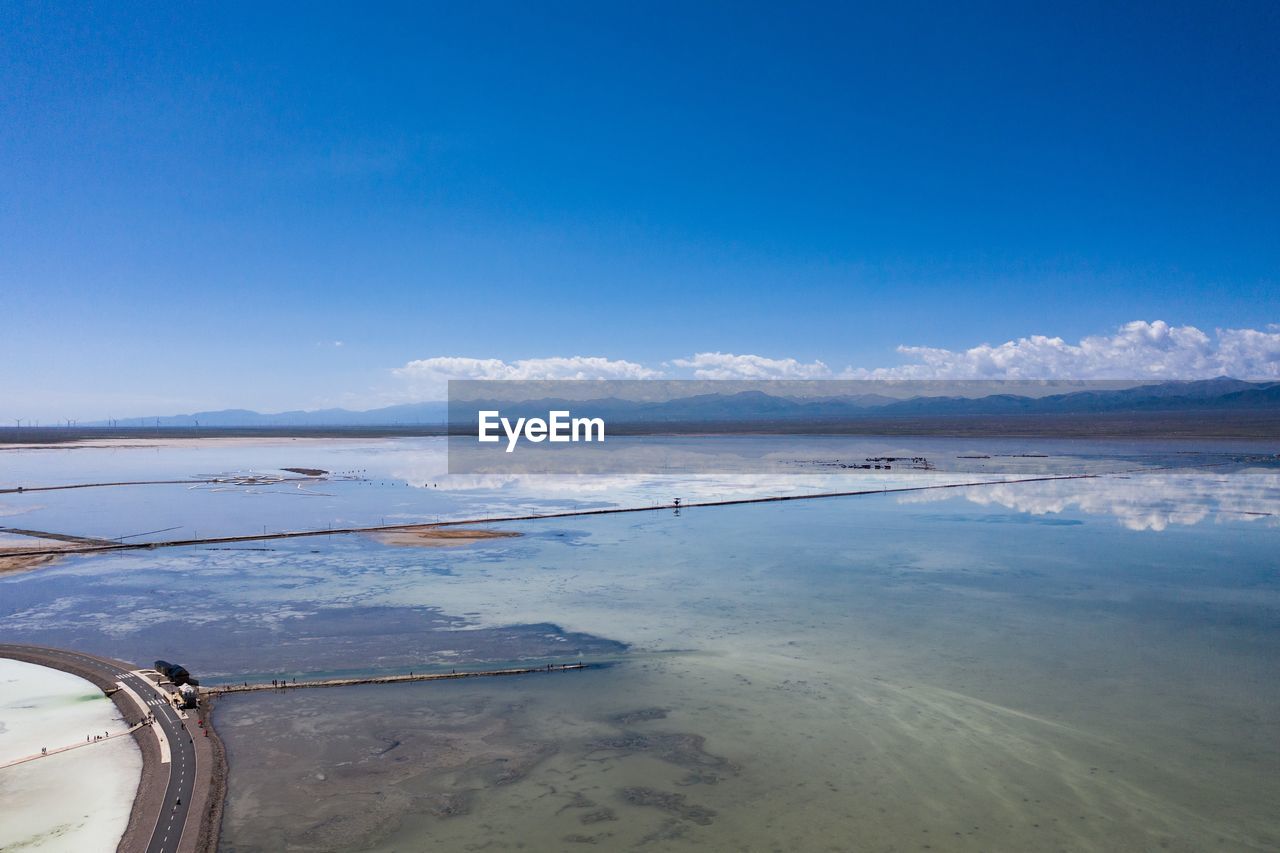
(196, 200)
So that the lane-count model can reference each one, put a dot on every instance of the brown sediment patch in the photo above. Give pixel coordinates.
(579, 801)
(15, 563)
(683, 750)
(640, 715)
(447, 803)
(671, 830)
(23, 554)
(436, 537)
(674, 804)
(586, 839)
(346, 789)
(515, 767)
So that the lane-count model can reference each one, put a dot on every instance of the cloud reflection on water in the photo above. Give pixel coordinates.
(1142, 502)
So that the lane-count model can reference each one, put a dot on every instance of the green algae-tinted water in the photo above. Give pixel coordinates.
(948, 674)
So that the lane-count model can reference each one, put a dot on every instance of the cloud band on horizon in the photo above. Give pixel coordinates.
(1137, 350)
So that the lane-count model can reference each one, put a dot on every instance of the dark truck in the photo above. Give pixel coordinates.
(175, 673)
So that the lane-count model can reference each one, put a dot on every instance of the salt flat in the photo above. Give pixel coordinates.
(75, 800)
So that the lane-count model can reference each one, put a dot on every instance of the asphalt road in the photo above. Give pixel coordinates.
(182, 765)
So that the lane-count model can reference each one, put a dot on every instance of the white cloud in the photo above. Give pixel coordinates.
(430, 375)
(723, 365)
(1137, 350)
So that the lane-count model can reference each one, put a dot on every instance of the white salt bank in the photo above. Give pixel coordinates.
(74, 800)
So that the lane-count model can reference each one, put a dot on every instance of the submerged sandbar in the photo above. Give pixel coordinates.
(435, 537)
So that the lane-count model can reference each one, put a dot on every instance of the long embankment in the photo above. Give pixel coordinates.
(576, 513)
(211, 752)
(285, 684)
(210, 481)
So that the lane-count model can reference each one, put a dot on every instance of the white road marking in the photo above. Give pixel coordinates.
(158, 729)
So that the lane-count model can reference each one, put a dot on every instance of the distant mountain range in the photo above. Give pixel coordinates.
(1210, 395)
(411, 414)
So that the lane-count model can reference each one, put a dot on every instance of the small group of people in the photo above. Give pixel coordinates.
(90, 738)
